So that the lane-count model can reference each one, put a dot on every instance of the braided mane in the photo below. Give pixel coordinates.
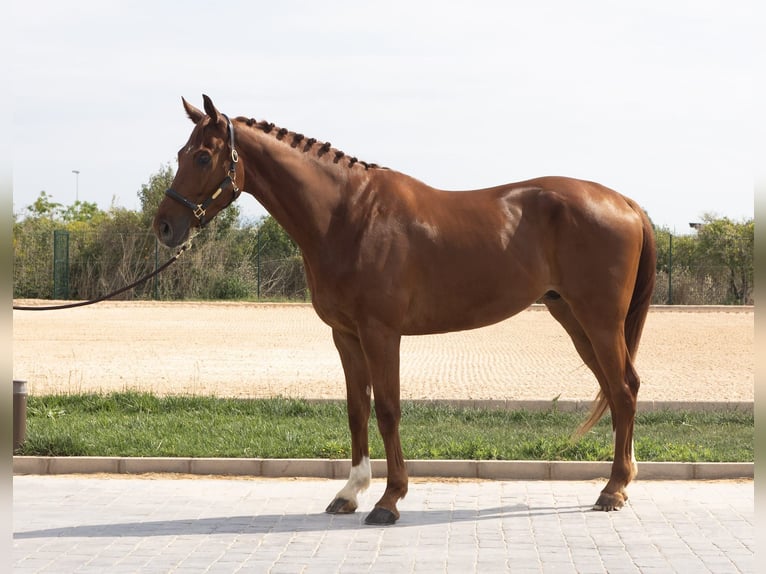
(307, 144)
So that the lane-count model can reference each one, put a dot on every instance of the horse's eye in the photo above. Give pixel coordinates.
(203, 159)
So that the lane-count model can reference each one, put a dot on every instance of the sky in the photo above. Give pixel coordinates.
(653, 99)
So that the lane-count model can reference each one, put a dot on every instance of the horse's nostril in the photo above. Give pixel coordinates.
(166, 231)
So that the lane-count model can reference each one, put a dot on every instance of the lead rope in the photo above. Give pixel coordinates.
(157, 271)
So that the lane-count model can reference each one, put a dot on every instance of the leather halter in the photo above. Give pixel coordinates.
(199, 209)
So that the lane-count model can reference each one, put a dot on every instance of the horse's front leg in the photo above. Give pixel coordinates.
(358, 400)
(381, 349)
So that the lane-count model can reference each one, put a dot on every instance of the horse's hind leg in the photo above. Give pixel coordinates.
(603, 349)
(612, 354)
(561, 311)
(358, 401)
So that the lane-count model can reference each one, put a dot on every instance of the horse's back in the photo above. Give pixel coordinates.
(542, 201)
(526, 222)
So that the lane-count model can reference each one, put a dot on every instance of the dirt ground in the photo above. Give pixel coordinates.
(263, 350)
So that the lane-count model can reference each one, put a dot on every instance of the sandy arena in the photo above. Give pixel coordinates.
(265, 350)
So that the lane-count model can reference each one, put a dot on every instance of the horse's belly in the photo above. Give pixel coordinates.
(442, 312)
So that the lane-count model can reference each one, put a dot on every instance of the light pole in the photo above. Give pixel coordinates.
(76, 173)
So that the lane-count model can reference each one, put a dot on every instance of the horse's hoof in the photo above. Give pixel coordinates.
(381, 517)
(608, 502)
(341, 506)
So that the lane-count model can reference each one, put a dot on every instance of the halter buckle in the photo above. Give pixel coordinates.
(199, 212)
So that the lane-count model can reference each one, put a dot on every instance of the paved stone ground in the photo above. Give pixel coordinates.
(147, 524)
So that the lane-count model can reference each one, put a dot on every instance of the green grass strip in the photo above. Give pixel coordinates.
(138, 424)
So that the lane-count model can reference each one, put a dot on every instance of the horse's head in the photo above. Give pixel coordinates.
(206, 180)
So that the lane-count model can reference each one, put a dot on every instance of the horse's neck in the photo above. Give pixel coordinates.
(298, 188)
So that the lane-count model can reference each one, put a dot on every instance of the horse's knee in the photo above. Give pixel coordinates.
(358, 419)
(388, 416)
(625, 395)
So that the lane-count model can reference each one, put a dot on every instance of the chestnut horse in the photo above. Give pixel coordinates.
(386, 255)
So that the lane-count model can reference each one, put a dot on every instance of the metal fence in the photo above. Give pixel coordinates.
(63, 265)
(709, 285)
(70, 265)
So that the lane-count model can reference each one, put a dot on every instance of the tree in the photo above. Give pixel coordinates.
(685, 250)
(81, 211)
(730, 244)
(713, 266)
(274, 241)
(152, 193)
(278, 262)
(44, 206)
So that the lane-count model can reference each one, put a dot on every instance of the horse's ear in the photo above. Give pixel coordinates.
(194, 114)
(210, 109)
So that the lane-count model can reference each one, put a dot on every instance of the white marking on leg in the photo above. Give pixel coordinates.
(632, 451)
(358, 480)
(633, 460)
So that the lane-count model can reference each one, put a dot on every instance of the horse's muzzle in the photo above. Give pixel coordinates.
(169, 235)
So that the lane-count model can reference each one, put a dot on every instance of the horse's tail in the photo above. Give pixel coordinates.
(637, 311)
(644, 287)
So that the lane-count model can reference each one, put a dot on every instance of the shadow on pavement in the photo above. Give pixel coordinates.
(286, 523)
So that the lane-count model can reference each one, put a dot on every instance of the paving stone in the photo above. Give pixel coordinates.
(160, 524)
